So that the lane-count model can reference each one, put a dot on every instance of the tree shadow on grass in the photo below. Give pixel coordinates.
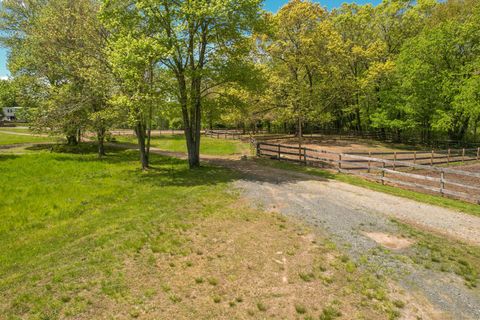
(170, 171)
(64, 152)
(173, 172)
(6, 156)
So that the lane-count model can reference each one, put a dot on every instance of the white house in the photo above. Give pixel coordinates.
(10, 113)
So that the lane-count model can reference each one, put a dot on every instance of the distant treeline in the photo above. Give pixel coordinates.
(409, 70)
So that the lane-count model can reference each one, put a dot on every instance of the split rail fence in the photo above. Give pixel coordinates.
(403, 170)
(226, 134)
(239, 135)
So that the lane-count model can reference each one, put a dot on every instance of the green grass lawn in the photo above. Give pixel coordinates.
(84, 238)
(6, 139)
(65, 221)
(16, 129)
(208, 146)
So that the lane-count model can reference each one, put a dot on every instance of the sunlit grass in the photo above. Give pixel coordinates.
(67, 220)
(208, 146)
(16, 129)
(7, 138)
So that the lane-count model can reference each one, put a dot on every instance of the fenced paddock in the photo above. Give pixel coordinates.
(406, 170)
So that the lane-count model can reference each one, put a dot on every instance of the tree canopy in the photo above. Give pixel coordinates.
(407, 69)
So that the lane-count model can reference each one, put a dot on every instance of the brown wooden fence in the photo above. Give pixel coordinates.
(225, 134)
(238, 135)
(433, 157)
(406, 172)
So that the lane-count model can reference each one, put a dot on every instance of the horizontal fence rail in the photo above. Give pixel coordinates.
(406, 172)
(225, 134)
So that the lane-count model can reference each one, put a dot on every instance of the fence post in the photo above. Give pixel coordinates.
(279, 152)
(431, 159)
(383, 173)
(339, 162)
(394, 160)
(442, 182)
(305, 155)
(448, 157)
(369, 163)
(414, 157)
(259, 150)
(478, 153)
(463, 155)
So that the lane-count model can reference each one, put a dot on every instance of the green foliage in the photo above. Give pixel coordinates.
(406, 67)
(7, 95)
(195, 46)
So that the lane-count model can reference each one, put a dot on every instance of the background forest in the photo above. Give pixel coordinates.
(407, 70)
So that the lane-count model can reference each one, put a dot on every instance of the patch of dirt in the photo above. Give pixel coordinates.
(389, 241)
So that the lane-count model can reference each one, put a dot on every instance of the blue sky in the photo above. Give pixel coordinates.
(274, 5)
(271, 5)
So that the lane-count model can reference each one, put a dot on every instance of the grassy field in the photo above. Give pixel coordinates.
(6, 139)
(16, 129)
(84, 238)
(208, 146)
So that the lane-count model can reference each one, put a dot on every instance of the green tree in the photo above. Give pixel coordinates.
(58, 55)
(437, 69)
(199, 42)
(8, 94)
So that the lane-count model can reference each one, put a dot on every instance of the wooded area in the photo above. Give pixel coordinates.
(407, 70)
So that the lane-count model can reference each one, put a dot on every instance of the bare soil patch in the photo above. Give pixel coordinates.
(389, 241)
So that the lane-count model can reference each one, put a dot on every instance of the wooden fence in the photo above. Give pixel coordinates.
(433, 157)
(406, 173)
(224, 134)
(238, 135)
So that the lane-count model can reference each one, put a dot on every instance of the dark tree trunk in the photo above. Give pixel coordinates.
(72, 140)
(149, 131)
(140, 132)
(101, 142)
(358, 119)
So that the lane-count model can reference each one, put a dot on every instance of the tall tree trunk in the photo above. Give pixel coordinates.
(72, 140)
(140, 132)
(149, 131)
(189, 123)
(194, 160)
(358, 118)
(101, 142)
